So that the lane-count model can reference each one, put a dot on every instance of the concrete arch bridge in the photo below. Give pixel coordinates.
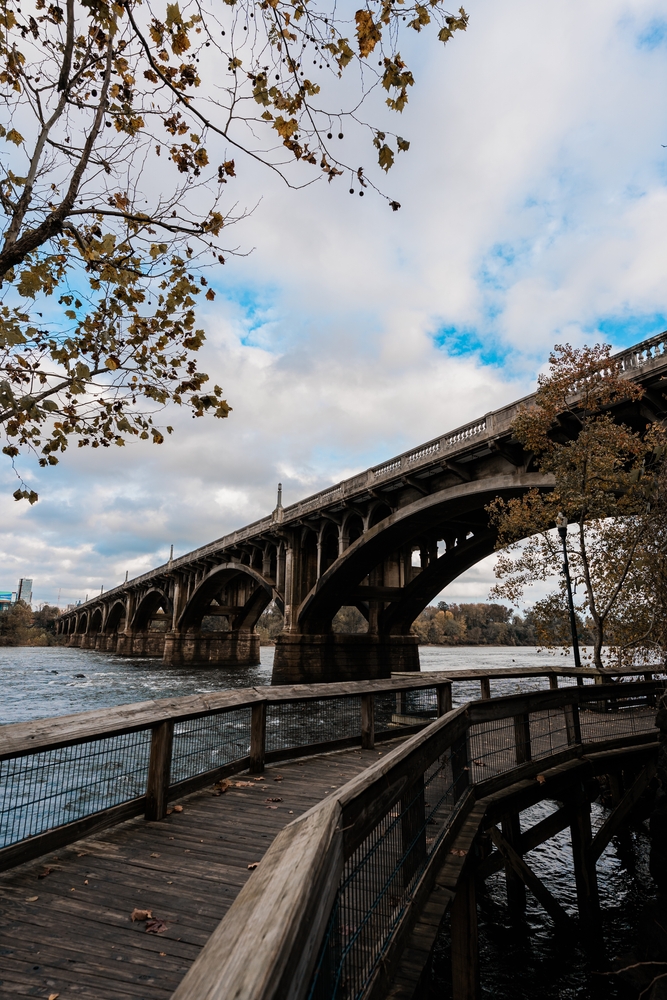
(386, 541)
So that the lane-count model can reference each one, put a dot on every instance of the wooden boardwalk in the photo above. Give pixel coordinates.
(70, 932)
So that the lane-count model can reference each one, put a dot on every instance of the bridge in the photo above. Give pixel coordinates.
(306, 841)
(386, 541)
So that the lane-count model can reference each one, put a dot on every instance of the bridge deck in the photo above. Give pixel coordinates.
(70, 933)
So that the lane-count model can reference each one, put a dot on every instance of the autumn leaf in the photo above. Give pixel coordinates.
(286, 129)
(210, 295)
(139, 915)
(386, 157)
(14, 136)
(156, 926)
(368, 33)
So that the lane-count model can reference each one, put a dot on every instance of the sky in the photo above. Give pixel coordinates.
(534, 212)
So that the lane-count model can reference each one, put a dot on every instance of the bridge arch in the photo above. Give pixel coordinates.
(456, 512)
(152, 602)
(82, 623)
(115, 616)
(211, 588)
(95, 621)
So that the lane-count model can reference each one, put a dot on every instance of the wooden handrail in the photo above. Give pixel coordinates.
(252, 951)
(19, 738)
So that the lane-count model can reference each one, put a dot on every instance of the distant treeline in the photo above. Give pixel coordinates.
(454, 625)
(21, 626)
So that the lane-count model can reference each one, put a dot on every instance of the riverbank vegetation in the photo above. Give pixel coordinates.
(21, 626)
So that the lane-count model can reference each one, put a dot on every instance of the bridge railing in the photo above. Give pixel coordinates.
(328, 910)
(64, 778)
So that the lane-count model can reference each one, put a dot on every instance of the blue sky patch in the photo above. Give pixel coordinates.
(461, 342)
(653, 35)
(624, 331)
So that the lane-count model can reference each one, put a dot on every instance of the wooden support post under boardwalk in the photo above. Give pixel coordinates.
(516, 890)
(553, 682)
(465, 944)
(585, 874)
(413, 829)
(159, 768)
(367, 721)
(536, 886)
(485, 687)
(444, 696)
(257, 737)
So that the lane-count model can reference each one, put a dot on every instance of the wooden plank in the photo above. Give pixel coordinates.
(280, 915)
(618, 815)
(537, 887)
(516, 889)
(585, 875)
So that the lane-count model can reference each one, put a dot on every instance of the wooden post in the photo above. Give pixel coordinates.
(257, 737)
(444, 696)
(401, 699)
(522, 738)
(413, 829)
(553, 682)
(159, 767)
(367, 721)
(485, 687)
(572, 725)
(584, 865)
(465, 945)
(460, 770)
(516, 890)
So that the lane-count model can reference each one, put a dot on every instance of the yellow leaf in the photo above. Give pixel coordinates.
(15, 137)
(368, 33)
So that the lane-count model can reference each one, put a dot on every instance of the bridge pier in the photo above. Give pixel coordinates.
(226, 649)
(140, 644)
(337, 656)
(106, 642)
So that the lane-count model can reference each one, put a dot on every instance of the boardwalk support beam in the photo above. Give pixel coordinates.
(465, 943)
(612, 823)
(530, 879)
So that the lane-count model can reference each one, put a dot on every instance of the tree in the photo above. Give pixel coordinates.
(125, 125)
(15, 625)
(605, 475)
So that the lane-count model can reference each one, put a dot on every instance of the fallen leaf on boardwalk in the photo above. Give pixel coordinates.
(141, 914)
(458, 852)
(480, 763)
(278, 778)
(541, 779)
(156, 926)
(276, 798)
(32, 899)
(272, 807)
(54, 996)
(163, 953)
(221, 786)
(243, 784)
(178, 809)
(81, 854)
(261, 778)
(155, 855)
(47, 871)
(169, 812)
(252, 867)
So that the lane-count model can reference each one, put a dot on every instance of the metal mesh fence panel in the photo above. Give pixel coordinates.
(548, 733)
(378, 882)
(209, 742)
(491, 749)
(301, 723)
(396, 710)
(55, 787)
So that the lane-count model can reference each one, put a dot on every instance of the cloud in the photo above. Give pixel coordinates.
(534, 211)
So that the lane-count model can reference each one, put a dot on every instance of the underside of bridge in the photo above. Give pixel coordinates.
(386, 542)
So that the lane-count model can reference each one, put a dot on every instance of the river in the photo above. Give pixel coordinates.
(42, 681)
(518, 962)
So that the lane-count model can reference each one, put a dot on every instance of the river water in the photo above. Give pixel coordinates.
(518, 961)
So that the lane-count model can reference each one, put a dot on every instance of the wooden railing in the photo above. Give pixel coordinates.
(329, 907)
(64, 778)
